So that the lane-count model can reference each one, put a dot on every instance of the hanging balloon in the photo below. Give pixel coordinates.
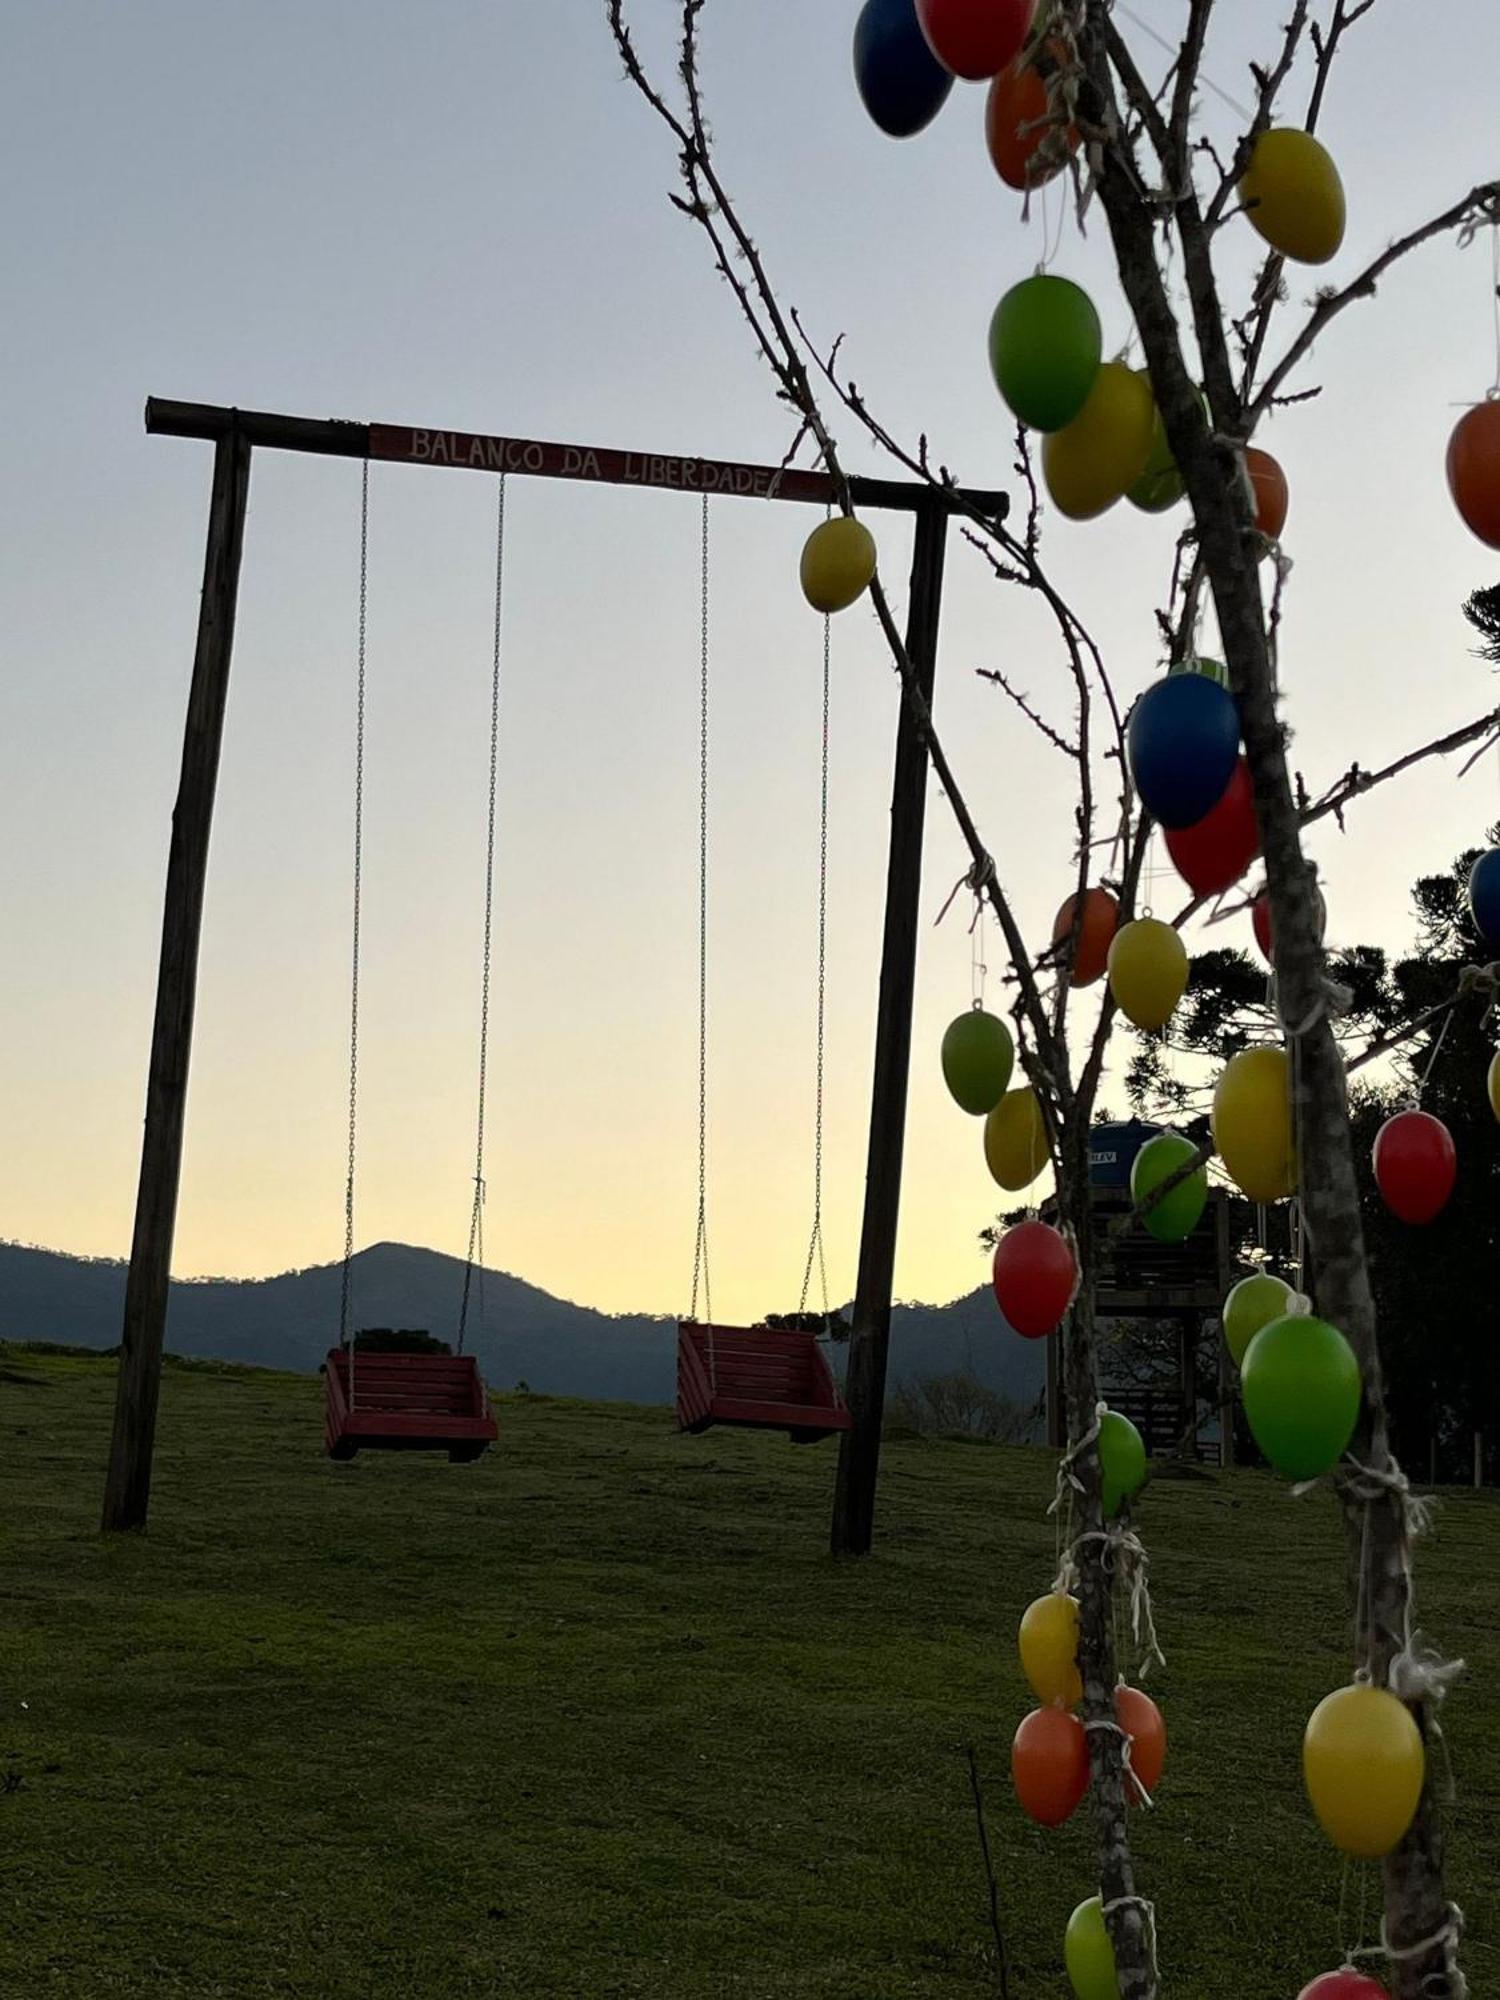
(978, 1056)
(1035, 1277)
(1095, 934)
(1049, 1649)
(1184, 743)
(1474, 471)
(1213, 670)
(1095, 460)
(1484, 896)
(1272, 494)
(900, 82)
(1088, 1954)
(1415, 1165)
(1148, 971)
(1293, 195)
(1025, 148)
(1363, 1762)
(1049, 1763)
(1260, 923)
(1252, 1123)
(1141, 1720)
(1214, 853)
(1122, 1460)
(1160, 484)
(838, 561)
(1045, 348)
(1253, 1303)
(975, 38)
(1301, 1387)
(1345, 1984)
(1015, 1140)
(1176, 1215)
(1493, 1083)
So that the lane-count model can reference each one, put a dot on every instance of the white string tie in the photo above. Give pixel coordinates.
(1148, 1913)
(1126, 1740)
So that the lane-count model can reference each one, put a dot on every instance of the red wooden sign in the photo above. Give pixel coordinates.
(580, 461)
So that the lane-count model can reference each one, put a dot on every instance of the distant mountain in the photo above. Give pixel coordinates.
(523, 1335)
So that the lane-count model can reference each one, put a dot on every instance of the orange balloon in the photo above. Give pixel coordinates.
(1049, 1761)
(1096, 934)
(1272, 494)
(1141, 1719)
(1017, 100)
(1474, 471)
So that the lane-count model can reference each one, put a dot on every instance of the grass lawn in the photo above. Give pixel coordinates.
(598, 1716)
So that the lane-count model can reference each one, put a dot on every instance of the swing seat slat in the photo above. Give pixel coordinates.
(407, 1402)
(757, 1378)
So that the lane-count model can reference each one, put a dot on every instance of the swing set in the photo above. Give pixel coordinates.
(759, 1377)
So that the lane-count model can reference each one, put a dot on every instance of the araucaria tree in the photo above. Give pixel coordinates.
(1073, 97)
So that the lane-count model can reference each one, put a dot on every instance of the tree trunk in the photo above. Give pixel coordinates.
(1125, 1916)
(1213, 470)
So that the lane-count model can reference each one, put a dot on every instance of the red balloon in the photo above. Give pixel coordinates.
(1216, 850)
(1272, 494)
(975, 38)
(1035, 1273)
(1474, 471)
(1141, 1719)
(1049, 1762)
(1015, 128)
(1260, 920)
(1415, 1165)
(1346, 1984)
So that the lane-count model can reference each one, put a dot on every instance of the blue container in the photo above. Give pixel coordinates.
(1112, 1151)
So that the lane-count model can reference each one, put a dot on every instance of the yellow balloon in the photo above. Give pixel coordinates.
(1097, 458)
(1049, 1650)
(1293, 195)
(1363, 1761)
(1015, 1140)
(838, 560)
(1148, 971)
(1495, 1083)
(1252, 1124)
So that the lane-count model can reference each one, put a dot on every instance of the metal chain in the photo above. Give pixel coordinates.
(700, 1245)
(815, 1242)
(476, 1218)
(345, 1335)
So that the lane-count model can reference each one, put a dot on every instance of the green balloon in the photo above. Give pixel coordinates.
(1122, 1460)
(1301, 1385)
(1160, 485)
(1089, 1955)
(1176, 1214)
(1253, 1303)
(1045, 348)
(978, 1056)
(1211, 670)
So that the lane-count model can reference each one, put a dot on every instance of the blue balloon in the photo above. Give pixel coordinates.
(1184, 741)
(1484, 895)
(901, 82)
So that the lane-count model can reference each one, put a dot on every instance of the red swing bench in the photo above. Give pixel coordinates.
(758, 1378)
(407, 1402)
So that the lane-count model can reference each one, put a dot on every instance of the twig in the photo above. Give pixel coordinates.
(989, 1872)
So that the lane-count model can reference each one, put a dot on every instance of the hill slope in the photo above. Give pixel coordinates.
(598, 1718)
(524, 1334)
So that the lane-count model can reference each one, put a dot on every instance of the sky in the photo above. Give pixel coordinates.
(456, 214)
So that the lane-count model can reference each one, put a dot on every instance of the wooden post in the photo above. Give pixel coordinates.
(869, 1341)
(128, 1488)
